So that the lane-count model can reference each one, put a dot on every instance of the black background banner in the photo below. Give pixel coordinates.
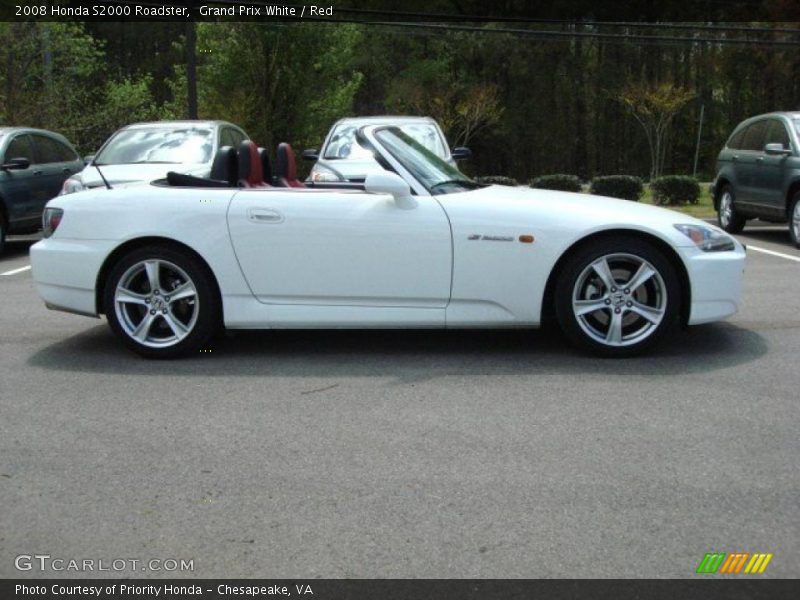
(411, 589)
(510, 13)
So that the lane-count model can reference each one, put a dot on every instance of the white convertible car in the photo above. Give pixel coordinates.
(417, 245)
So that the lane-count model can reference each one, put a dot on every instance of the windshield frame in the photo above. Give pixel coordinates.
(454, 178)
(214, 143)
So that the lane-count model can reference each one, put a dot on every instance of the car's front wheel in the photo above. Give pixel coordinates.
(794, 220)
(617, 297)
(162, 302)
(728, 217)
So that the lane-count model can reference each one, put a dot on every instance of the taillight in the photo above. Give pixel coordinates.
(51, 219)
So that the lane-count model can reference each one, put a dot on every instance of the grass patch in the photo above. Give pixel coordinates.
(704, 209)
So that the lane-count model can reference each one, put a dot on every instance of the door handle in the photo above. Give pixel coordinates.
(38, 172)
(66, 170)
(760, 160)
(264, 215)
(735, 157)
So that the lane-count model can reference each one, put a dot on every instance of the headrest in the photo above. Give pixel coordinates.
(285, 164)
(266, 165)
(249, 164)
(224, 167)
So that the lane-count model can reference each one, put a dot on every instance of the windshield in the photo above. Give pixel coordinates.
(343, 144)
(158, 145)
(437, 175)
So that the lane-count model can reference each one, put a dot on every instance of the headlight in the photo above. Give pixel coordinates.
(320, 173)
(72, 185)
(51, 219)
(708, 239)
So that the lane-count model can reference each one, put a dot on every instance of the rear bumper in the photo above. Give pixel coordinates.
(716, 283)
(65, 273)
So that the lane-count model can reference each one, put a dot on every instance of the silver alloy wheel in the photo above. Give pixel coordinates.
(619, 299)
(156, 303)
(796, 220)
(726, 209)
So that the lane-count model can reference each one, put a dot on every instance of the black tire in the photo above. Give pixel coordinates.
(732, 222)
(2, 234)
(195, 318)
(794, 219)
(580, 287)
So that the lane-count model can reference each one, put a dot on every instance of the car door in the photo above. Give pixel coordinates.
(50, 169)
(746, 163)
(18, 187)
(771, 168)
(344, 249)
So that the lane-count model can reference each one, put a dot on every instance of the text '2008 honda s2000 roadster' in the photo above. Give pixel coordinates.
(416, 245)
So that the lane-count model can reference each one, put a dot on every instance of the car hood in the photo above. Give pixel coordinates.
(144, 172)
(564, 215)
(354, 168)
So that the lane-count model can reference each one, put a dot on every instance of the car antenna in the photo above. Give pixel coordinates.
(103, 177)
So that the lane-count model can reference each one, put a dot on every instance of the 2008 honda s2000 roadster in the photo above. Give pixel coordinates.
(417, 245)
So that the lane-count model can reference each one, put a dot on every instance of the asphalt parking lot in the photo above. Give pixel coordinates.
(404, 454)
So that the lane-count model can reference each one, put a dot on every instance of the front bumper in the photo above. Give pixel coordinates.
(716, 283)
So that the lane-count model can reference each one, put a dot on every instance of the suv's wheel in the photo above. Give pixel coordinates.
(727, 215)
(617, 297)
(794, 219)
(161, 302)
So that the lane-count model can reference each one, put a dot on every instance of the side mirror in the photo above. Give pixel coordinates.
(390, 183)
(16, 164)
(776, 149)
(310, 154)
(87, 159)
(461, 153)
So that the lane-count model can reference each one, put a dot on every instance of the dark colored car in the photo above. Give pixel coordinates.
(758, 174)
(33, 166)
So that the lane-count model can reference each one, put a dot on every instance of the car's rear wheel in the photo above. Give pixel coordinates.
(617, 297)
(728, 217)
(2, 234)
(162, 302)
(794, 220)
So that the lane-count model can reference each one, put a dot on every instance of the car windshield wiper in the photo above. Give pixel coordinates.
(464, 182)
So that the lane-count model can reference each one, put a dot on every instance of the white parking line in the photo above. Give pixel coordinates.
(15, 271)
(773, 253)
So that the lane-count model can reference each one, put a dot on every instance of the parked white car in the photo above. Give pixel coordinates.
(341, 158)
(143, 152)
(417, 245)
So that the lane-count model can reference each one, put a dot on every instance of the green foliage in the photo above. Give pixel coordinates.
(626, 187)
(282, 83)
(675, 190)
(496, 180)
(560, 182)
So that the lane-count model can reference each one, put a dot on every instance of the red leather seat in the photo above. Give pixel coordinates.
(251, 174)
(285, 168)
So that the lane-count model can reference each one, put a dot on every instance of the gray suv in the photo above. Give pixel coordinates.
(758, 174)
(33, 166)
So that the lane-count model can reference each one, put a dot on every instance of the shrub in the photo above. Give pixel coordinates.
(560, 182)
(496, 180)
(626, 187)
(675, 189)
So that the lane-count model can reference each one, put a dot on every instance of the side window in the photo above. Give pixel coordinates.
(755, 136)
(225, 138)
(20, 147)
(735, 143)
(777, 134)
(238, 137)
(45, 150)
